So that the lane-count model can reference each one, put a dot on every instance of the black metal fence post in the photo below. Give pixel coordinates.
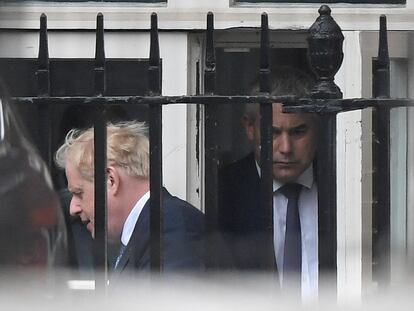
(155, 137)
(325, 57)
(100, 245)
(266, 150)
(43, 85)
(381, 214)
(211, 146)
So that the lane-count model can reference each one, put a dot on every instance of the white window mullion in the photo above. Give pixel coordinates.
(349, 158)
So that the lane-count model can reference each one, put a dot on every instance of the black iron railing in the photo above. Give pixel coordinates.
(266, 115)
(381, 207)
(325, 56)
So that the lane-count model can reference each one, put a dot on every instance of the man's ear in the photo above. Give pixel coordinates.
(248, 125)
(113, 180)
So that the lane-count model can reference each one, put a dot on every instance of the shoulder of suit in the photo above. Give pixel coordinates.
(174, 203)
(243, 166)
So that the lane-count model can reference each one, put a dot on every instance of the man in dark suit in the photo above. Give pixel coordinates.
(183, 225)
(128, 200)
(242, 218)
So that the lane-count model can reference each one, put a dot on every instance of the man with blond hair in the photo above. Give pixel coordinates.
(128, 198)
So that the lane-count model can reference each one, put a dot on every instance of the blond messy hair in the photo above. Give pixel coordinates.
(127, 148)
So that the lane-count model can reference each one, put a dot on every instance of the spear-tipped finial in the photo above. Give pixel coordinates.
(381, 65)
(264, 55)
(99, 50)
(42, 74)
(210, 68)
(154, 44)
(383, 41)
(99, 56)
(210, 55)
(154, 69)
(43, 56)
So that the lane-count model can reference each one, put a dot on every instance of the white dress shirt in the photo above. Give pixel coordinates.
(308, 214)
(132, 219)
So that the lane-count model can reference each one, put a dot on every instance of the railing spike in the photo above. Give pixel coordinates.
(42, 73)
(154, 47)
(99, 56)
(383, 41)
(210, 71)
(381, 66)
(264, 55)
(154, 70)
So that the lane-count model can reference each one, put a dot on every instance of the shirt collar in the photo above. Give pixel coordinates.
(132, 218)
(305, 179)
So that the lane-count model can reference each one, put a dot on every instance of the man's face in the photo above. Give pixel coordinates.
(294, 142)
(83, 197)
(83, 203)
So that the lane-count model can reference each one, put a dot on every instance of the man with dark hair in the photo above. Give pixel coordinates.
(293, 250)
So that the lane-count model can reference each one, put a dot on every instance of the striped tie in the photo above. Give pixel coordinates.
(121, 252)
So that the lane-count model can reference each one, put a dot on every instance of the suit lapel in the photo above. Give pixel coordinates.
(138, 242)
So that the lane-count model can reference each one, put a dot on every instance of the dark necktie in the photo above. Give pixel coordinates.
(121, 252)
(292, 260)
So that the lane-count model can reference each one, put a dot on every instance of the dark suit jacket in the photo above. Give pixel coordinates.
(182, 239)
(242, 220)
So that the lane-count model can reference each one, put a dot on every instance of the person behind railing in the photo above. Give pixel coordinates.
(79, 239)
(293, 250)
(128, 200)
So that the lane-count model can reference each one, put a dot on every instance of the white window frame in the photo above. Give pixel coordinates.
(189, 14)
